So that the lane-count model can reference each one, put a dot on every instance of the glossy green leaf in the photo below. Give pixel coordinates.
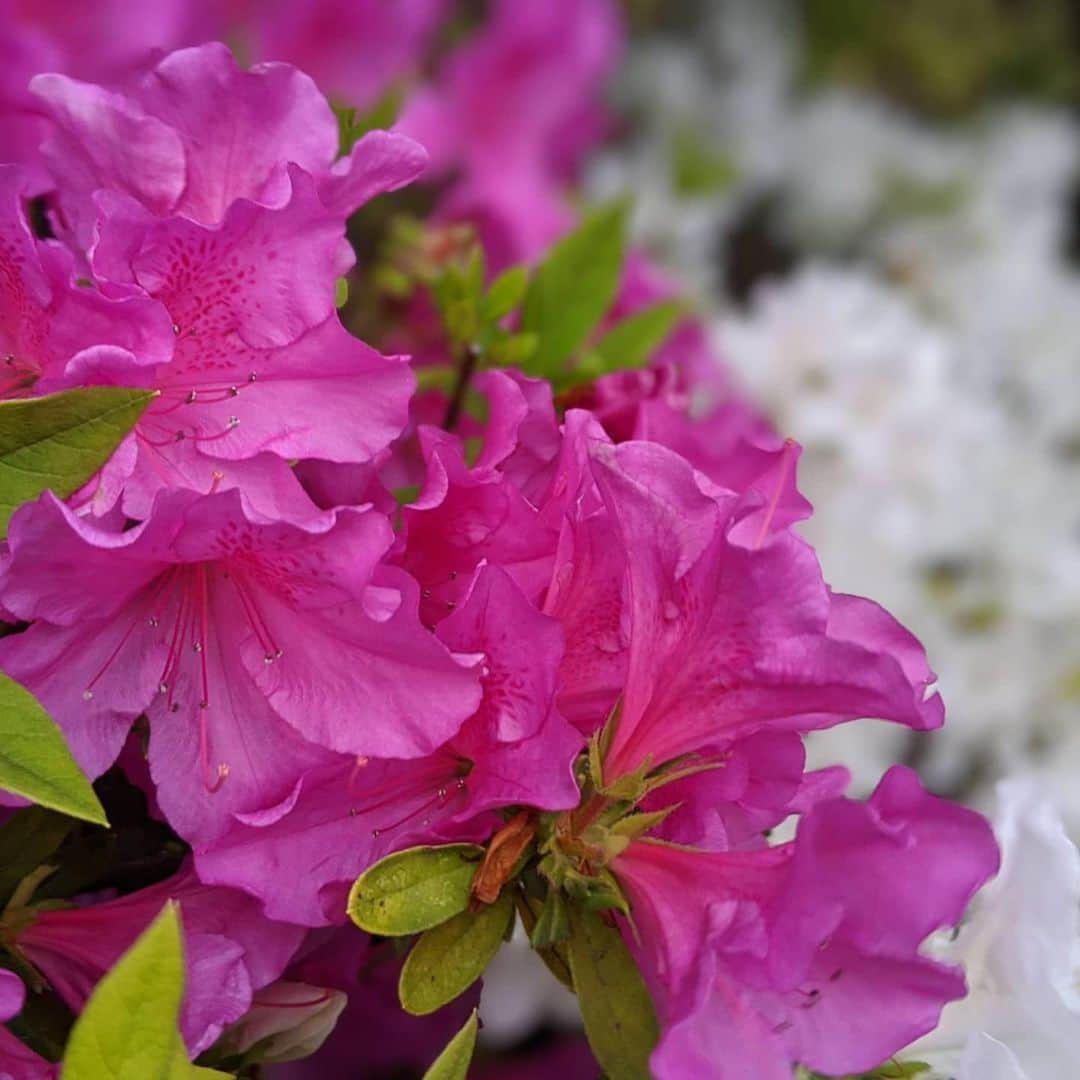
(620, 1020)
(35, 761)
(631, 342)
(128, 1029)
(506, 292)
(415, 889)
(58, 442)
(453, 1062)
(449, 958)
(573, 288)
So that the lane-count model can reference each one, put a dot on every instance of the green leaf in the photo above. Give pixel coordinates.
(414, 890)
(553, 956)
(128, 1029)
(35, 761)
(630, 343)
(506, 292)
(696, 169)
(353, 127)
(620, 1020)
(27, 840)
(453, 1062)
(553, 925)
(573, 288)
(450, 957)
(60, 441)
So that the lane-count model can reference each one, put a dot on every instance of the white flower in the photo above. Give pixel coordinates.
(1020, 949)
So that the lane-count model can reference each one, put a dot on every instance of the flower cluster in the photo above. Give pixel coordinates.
(549, 611)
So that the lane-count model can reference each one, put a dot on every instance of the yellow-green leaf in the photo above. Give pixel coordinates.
(58, 442)
(620, 1020)
(415, 889)
(35, 761)
(453, 1062)
(573, 288)
(631, 342)
(128, 1029)
(450, 957)
(506, 292)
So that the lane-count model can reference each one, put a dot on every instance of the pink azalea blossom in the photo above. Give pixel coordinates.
(514, 110)
(327, 38)
(52, 328)
(17, 1060)
(253, 647)
(198, 133)
(732, 627)
(516, 750)
(807, 952)
(230, 950)
(262, 371)
(98, 41)
(465, 515)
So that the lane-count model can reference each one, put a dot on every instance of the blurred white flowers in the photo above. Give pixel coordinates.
(1020, 948)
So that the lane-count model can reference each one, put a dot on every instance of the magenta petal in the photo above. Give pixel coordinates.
(239, 128)
(727, 636)
(381, 161)
(260, 278)
(99, 138)
(522, 650)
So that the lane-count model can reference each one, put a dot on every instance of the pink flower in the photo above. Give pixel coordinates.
(807, 952)
(98, 41)
(229, 948)
(516, 750)
(262, 370)
(251, 646)
(51, 328)
(198, 133)
(17, 1060)
(515, 110)
(732, 627)
(354, 49)
(465, 515)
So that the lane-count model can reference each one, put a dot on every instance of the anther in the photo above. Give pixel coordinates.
(192, 397)
(176, 329)
(87, 695)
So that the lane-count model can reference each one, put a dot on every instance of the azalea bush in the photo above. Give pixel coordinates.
(387, 545)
